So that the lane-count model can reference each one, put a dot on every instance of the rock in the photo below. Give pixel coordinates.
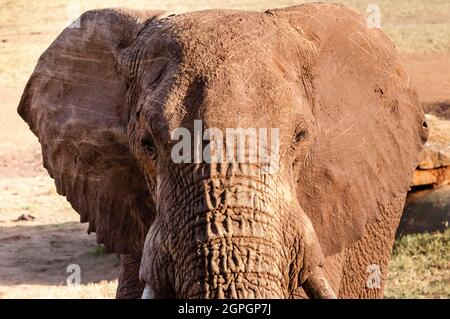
(437, 177)
(439, 109)
(436, 152)
(426, 211)
(434, 160)
(427, 207)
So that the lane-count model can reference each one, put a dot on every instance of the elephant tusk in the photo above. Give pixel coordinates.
(316, 286)
(149, 293)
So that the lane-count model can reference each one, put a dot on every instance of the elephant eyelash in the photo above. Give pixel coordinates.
(300, 135)
(149, 147)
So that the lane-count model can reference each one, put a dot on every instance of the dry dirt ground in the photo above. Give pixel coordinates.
(35, 254)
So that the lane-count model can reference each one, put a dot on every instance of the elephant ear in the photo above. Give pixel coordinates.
(368, 124)
(75, 103)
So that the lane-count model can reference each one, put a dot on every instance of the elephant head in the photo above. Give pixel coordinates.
(107, 96)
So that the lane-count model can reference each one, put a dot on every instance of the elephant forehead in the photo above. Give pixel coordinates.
(228, 68)
(222, 32)
(207, 39)
(260, 97)
(257, 98)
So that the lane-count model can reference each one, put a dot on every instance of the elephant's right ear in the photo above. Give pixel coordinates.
(75, 102)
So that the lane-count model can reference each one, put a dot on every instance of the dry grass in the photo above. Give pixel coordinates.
(420, 267)
(101, 290)
(417, 37)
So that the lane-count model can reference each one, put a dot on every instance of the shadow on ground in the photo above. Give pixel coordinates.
(40, 255)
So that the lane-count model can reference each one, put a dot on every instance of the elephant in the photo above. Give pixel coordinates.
(108, 94)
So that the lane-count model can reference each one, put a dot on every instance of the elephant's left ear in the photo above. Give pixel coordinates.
(76, 104)
(368, 124)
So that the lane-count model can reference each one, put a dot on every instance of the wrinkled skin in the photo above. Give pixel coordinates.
(105, 98)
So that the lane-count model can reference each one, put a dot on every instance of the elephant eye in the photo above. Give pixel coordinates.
(149, 148)
(300, 135)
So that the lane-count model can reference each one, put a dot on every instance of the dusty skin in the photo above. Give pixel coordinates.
(105, 96)
(33, 161)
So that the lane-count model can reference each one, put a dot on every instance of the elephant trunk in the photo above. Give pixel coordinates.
(240, 247)
(234, 236)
